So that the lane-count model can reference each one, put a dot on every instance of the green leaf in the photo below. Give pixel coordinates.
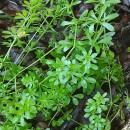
(69, 88)
(7, 32)
(93, 55)
(86, 115)
(111, 16)
(27, 115)
(15, 119)
(84, 14)
(97, 48)
(74, 80)
(108, 126)
(79, 57)
(104, 108)
(84, 83)
(114, 78)
(97, 96)
(91, 28)
(75, 101)
(91, 101)
(76, 2)
(105, 40)
(99, 110)
(65, 23)
(90, 88)
(92, 14)
(90, 80)
(94, 67)
(25, 13)
(92, 107)
(80, 96)
(104, 95)
(47, 129)
(109, 34)
(114, 1)
(22, 121)
(66, 48)
(108, 26)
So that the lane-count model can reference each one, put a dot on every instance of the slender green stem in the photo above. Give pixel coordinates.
(110, 91)
(53, 118)
(45, 20)
(30, 41)
(7, 54)
(15, 84)
(15, 39)
(43, 80)
(70, 51)
(76, 27)
(120, 107)
(73, 120)
(30, 65)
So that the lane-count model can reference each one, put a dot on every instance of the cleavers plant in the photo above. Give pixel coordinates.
(94, 110)
(73, 63)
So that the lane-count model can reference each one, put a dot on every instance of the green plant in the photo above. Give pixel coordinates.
(95, 113)
(72, 64)
(94, 110)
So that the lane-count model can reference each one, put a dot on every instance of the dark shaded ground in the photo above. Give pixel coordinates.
(121, 43)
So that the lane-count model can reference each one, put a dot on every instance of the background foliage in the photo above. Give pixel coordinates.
(75, 66)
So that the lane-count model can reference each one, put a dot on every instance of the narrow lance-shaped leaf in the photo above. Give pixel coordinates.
(91, 80)
(111, 16)
(108, 26)
(65, 23)
(75, 101)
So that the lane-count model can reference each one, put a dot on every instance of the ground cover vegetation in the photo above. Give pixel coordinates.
(75, 62)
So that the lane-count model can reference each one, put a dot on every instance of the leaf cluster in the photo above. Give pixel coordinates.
(94, 110)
